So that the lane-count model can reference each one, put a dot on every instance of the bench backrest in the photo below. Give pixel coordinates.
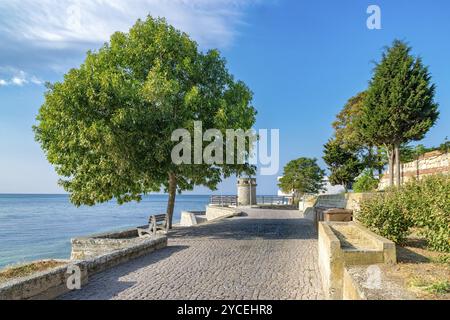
(157, 218)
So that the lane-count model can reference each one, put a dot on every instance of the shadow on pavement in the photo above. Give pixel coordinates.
(249, 228)
(110, 284)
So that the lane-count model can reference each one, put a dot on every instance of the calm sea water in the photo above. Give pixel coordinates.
(40, 226)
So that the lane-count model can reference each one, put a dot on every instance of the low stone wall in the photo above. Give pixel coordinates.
(331, 201)
(344, 244)
(348, 201)
(42, 285)
(216, 212)
(99, 244)
(53, 283)
(192, 218)
(109, 260)
(372, 283)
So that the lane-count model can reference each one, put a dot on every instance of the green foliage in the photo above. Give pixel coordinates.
(423, 204)
(343, 164)
(346, 123)
(439, 287)
(386, 215)
(366, 182)
(349, 137)
(107, 126)
(428, 205)
(302, 176)
(399, 105)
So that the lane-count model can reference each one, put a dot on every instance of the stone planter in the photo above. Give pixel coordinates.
(344, 244)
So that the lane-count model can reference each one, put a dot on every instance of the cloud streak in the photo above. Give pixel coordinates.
(47, 37)
(66, 23)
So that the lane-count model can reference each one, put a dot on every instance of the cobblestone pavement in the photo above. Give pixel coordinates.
(267, 254)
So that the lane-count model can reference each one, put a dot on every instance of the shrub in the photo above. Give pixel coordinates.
(428, 204)
(385, 215)
(424, 204)
(365, 183)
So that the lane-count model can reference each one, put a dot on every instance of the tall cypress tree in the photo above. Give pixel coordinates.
(399, 106)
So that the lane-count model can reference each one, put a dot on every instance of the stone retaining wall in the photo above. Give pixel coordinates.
(192, 218)
(99, 244)
(53, 283)
(214, 212)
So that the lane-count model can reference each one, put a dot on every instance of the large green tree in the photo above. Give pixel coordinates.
(107, 126)
(350, 138)
(343, 163)
(302, 176)
(399, 106)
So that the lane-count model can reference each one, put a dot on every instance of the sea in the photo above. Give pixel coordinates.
(34, 227)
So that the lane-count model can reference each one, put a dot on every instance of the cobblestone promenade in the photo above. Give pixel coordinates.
(266, 254)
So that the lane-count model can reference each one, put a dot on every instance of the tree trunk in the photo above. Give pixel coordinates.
(391, 157)
(172, 196)
(397, 166)
(371, 163)
(379, 159)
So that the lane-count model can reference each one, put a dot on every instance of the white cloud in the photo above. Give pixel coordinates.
(17, 78)
(67, 23)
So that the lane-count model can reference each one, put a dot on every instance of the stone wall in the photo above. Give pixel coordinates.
(430, 163)
(192, 218)
(99, 244)
(53, 283)
(217, 212)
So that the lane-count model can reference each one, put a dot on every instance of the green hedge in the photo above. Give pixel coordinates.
(424, 204)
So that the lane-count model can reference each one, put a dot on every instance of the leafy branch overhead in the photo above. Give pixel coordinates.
(107, 126)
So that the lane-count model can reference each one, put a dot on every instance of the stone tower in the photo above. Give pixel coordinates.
(246, 191)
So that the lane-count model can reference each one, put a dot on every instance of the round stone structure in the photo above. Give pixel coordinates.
(246, 191)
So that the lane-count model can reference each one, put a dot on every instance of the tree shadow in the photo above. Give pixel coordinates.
(107, 284)
(249, 228)
(408, 254)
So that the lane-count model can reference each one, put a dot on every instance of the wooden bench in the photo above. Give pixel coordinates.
(155, 222)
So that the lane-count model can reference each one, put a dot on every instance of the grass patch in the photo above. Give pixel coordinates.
(25, 270)
(440, 287)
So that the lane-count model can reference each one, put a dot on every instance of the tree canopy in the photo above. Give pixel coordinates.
(343, 164)
(107, 126)
(399, 106)
(302, 176)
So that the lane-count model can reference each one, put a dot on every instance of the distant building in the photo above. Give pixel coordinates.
(329, 189)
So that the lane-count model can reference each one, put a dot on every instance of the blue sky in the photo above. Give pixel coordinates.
(302, 59)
